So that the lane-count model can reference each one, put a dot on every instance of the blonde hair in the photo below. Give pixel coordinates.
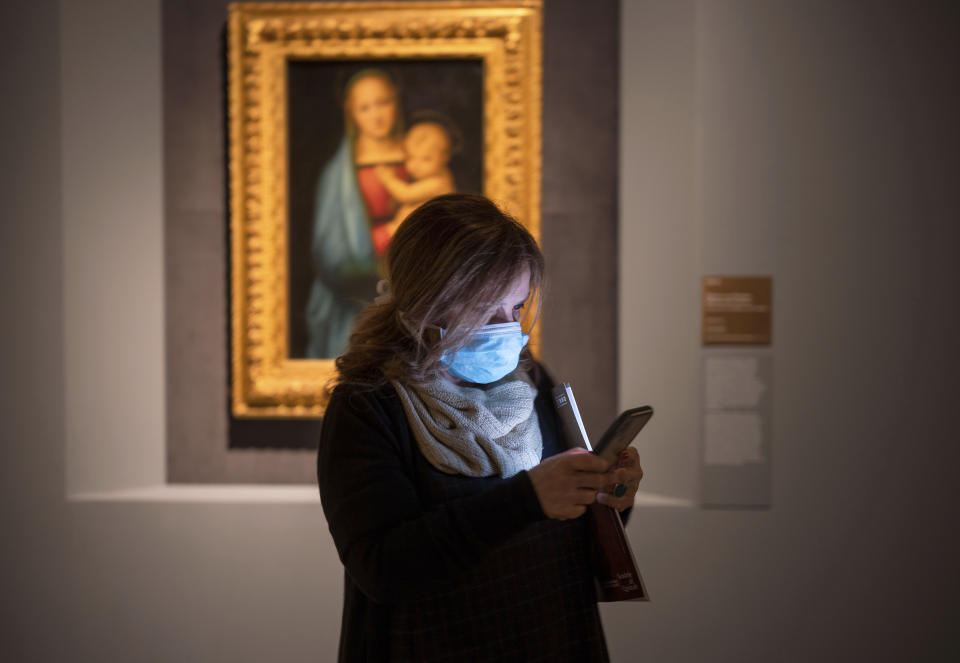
(451, 261)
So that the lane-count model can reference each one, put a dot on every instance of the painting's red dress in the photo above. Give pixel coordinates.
(381, 207)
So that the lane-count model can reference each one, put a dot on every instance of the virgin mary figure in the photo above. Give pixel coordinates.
(351, 203)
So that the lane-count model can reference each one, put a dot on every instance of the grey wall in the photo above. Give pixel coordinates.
(812, 140)
(816, 142)
(32, 573)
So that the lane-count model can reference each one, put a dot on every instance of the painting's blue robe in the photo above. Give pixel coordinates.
(345, 267)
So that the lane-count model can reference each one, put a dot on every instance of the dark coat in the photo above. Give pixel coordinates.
(444, 567)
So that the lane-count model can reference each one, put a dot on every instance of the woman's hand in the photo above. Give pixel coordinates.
(566, 483)
(627, 472)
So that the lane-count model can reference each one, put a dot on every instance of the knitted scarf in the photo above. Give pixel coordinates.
(475, 432)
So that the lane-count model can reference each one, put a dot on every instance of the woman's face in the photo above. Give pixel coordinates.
(372, 104)
(510, 308)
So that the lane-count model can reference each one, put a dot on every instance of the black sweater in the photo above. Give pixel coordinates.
(446, 567)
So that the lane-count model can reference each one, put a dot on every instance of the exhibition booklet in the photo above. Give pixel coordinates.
(614, 565)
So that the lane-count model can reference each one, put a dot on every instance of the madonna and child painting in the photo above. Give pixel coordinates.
(368, 142)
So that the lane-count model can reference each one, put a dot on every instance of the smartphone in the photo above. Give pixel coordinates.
(622, 432)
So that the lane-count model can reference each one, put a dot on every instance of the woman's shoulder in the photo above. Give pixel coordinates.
(359, 397)
(362, 416)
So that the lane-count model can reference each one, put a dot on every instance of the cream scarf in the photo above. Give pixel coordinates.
(475, 432)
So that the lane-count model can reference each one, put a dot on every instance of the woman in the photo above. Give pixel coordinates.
(351, 204)
(450, 500)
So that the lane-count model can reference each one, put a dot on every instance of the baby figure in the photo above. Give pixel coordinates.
(427, 146)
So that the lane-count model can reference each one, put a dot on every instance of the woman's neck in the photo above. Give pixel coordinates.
(446, 375)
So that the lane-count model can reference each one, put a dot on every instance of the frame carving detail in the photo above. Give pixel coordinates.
(504, 35)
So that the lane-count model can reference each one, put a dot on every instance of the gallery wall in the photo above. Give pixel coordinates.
(812, 141)
(32, 399)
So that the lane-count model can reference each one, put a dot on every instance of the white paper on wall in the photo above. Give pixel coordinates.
(732, 438)
(736, 417)
(732, 382)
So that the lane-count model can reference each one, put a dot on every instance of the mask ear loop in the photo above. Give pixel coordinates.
(383, 292)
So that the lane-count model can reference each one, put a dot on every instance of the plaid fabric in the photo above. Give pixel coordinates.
(533, 599)
(458, 568)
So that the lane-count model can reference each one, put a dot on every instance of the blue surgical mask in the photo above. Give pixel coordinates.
(492, 352)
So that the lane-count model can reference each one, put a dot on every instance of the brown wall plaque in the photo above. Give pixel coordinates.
(736, 310)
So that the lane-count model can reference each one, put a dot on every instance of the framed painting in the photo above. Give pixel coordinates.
(343, 117)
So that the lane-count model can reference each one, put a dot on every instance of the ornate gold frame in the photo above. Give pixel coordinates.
(505, 35)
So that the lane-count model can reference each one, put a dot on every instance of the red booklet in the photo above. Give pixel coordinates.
(615, 568)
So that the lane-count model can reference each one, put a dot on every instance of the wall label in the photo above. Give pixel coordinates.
(737, 310)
